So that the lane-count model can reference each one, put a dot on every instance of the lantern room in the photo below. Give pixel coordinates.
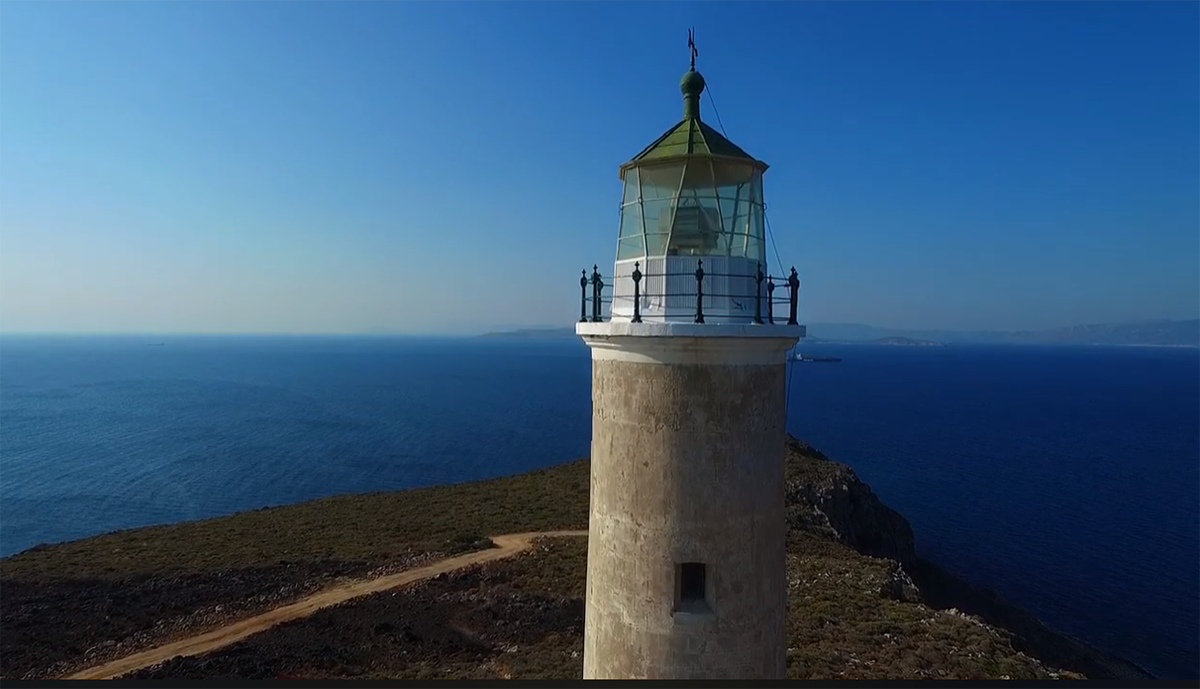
(692, 200)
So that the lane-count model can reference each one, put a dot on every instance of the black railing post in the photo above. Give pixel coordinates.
(583, 283)
(599, 299)
(597, 286)
(637, 292)
(793, 297)
(771, 300)
(700, 291)
(758, 278)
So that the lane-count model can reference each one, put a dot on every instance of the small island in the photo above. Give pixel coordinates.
(906, 342)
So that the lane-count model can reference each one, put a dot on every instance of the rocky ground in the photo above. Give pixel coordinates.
(523, 618)
(503, 619)
(73, 605)
(862, 605)
(52, 628)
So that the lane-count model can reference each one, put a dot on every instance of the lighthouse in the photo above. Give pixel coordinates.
(689, 336)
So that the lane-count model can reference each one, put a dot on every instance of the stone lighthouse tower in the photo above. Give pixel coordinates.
(689, 338)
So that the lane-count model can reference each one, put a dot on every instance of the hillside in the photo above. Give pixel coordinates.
(862, 604)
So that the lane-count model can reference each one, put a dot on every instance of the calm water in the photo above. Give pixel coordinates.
(1065, 478)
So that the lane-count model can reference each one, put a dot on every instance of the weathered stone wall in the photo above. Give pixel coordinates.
(687, 466)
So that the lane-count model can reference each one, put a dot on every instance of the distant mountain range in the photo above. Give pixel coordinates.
(538, 333)
(1146, 333)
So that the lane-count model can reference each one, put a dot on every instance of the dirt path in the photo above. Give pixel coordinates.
(507, 545)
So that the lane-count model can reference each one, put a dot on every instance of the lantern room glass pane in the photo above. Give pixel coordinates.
(659, 214)
(631, 220)
(631, 187)
(732, 174)
(631, 242)
(630, 248)
(659, 186)
(756, 248)
(660, 181)
(694, 207)
(698, 177)
(695, 228)
(734, 187)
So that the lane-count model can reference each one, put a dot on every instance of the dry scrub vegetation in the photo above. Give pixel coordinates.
(77, 604)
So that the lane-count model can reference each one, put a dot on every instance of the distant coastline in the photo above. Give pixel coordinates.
(540, 333)
(1164, 333)
(882, 342)
(1169, 346)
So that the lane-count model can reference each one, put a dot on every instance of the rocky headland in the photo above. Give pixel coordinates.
(862, 603)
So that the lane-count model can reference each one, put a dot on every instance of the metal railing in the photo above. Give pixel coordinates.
(764, 305)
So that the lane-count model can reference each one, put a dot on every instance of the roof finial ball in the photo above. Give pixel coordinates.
(692, 84)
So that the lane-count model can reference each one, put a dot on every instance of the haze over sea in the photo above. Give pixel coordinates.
(1065, 478)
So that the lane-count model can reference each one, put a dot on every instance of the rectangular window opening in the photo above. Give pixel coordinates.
(691, 588)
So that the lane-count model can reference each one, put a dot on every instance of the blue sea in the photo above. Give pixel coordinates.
(1066, 478)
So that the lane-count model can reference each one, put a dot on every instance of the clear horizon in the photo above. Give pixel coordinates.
(332, 168)
(502, 328)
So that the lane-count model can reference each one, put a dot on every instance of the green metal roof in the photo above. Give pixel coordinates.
(691, 136)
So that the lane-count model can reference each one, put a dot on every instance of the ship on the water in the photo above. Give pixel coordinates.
(808, 358)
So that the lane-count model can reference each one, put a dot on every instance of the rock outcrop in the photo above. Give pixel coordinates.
(898, 585)
(828, 499)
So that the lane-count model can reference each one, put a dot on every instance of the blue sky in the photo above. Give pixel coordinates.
(450, 167)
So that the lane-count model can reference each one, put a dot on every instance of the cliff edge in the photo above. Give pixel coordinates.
(828, 499)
